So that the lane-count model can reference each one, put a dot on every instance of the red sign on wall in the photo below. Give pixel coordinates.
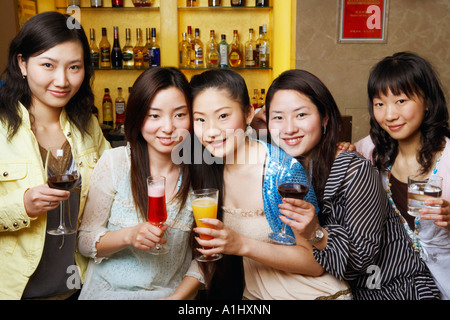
(363, 20)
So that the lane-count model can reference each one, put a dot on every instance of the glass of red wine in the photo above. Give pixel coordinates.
(293, 181)
(62, 174)
(157, 211)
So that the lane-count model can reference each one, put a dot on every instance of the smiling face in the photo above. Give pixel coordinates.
(167, 122)
(294, 122)
(219, 122)
(399, 115)
(55, 75)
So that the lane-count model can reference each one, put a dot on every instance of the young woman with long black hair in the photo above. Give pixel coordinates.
(46, 101)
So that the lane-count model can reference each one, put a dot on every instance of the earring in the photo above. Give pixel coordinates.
(24, 77)
(249, 130)
(324, 130)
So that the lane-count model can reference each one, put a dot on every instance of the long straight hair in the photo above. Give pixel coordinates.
(141, 96)
(412, 75)
(211, 176)
(39, 34)
(226, 276)
(325, 152)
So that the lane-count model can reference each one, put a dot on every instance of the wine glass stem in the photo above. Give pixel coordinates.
(283, 228)
(61, 215)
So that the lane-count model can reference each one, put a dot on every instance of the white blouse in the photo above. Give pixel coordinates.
(130, 273)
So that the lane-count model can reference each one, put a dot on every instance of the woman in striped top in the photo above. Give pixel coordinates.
(362, 240)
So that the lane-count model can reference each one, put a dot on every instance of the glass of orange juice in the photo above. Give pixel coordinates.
(204, 204)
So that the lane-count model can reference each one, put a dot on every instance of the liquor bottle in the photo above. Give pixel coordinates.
(105, 51)
(116, 53)
(95, 51)
(147, 47)
(127, 51)
(264, 48)
(255, 104)
(235, 55)
(138, 50)
(96, 3)
(214, 3)
(250, 51)
(185, 52)
(191, 3)
(212, 51)
(261, 3)
(190, 38)
(107, 109)
(223, 52)
(198, 49)
(117, 3)
(237, 3)
(262, 98)
(120, 107)
(154, 54)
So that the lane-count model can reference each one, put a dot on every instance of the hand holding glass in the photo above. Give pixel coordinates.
(61, 174)
(157, 211)
(204, 204)
(291, 184)
(420, 189)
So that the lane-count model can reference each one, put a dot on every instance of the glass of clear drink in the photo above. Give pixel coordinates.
(420, 189)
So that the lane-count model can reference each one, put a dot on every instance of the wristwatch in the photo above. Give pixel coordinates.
(318, 235)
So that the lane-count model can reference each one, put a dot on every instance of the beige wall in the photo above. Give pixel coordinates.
(420, 26)
(9, 25)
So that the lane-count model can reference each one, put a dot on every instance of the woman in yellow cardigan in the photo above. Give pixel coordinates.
(46, 101)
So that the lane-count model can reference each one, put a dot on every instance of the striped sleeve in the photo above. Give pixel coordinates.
(352, 195)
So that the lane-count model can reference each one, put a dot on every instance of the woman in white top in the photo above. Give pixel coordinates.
(115, 232)
(409, 134)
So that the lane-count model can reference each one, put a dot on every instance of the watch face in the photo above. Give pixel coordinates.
(319, 233)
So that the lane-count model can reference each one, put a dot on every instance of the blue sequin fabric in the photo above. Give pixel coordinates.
(271, 196)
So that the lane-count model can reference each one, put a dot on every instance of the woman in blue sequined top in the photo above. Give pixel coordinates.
(357, 237)
(244, 170)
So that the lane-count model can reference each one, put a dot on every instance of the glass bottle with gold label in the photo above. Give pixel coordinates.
(264, 48)
(95, 51)
(185, 52)
(105, 51)
(212, 51)
(127, 51)
(138, 50)
(235, 55)
(251, 53)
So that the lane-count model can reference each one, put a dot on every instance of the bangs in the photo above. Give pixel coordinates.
(396, 77)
